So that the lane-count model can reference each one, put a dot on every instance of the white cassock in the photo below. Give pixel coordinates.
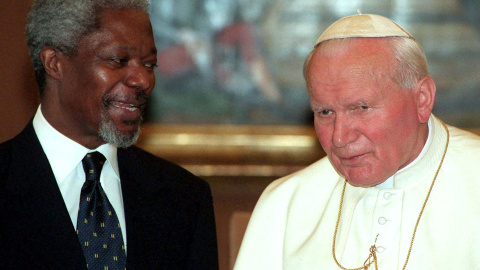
(293, 223)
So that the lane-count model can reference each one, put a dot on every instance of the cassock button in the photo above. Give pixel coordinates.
(382, 221)
(387, 195)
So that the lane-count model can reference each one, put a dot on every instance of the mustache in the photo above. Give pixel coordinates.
(140, 98)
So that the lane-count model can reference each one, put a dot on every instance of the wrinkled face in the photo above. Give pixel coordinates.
(106, 85)
(366, 123)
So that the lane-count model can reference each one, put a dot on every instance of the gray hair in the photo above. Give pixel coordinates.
(60, 24)
(411, 61)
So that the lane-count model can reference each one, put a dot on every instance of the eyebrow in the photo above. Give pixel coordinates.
(317, 108)
(360, 102)
(355, 103)
(153, 50)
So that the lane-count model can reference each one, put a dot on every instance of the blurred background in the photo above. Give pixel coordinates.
(230, 103)
(240, 61)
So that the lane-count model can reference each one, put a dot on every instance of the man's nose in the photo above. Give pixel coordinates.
(343, 131)
(140, 78)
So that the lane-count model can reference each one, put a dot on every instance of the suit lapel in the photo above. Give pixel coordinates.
(161, 203)
(42, 214)
(142, 197)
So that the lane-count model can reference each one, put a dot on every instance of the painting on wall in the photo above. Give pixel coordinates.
(240, 61)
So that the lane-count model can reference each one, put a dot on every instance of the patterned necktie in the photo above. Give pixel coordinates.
(98, 228)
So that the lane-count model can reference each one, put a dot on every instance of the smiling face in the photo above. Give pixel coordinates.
(367, 124)
(103, 89)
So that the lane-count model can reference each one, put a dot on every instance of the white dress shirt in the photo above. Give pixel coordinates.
(65, 158)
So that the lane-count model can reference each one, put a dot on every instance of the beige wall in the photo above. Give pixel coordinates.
(18, 91)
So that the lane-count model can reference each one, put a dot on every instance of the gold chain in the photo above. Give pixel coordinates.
(372, 257)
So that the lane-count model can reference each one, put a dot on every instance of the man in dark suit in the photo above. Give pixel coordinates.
(94, 64)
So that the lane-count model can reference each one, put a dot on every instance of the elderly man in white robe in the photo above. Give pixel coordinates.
(398, 189)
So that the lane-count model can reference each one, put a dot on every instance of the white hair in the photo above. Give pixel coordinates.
(411, 64)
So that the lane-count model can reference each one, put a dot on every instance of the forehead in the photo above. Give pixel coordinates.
(118, 17)
(124, 26)
(353, 57)
(355, 69)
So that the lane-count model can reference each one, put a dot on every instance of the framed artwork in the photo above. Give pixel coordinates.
(240, 61)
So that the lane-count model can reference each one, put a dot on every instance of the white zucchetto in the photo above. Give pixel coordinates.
(363, 25)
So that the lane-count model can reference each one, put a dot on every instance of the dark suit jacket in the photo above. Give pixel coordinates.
(168, 211)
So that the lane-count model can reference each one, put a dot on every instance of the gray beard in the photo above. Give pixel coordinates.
(109, 134)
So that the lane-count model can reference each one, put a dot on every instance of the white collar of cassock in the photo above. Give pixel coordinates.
(425, 164)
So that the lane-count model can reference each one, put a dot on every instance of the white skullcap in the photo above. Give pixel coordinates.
(363, 25)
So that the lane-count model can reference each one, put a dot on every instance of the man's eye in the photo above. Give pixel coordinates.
(364, 107)
(151, 65)
(118, 61)
(325, 112)
(324, 117)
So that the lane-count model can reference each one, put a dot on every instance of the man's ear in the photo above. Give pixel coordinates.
(52, 61)
(426, 90)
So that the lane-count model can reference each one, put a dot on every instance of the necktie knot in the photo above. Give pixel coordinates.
(92, 165)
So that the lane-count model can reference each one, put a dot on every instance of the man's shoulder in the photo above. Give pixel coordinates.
(137, 156)
(463, 152)
(19, 146)
(25, 139)
(463, 138)
(320, 171)
(8, 145)
(464, 145)
(142, 162)
(319, 177)
(6, 149)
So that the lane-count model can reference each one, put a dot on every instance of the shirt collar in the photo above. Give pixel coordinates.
(389, 183)
(63, 153)
(425, 165)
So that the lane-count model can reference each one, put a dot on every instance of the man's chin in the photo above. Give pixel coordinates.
(122, 136)
(363, 180)
(128, 129)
